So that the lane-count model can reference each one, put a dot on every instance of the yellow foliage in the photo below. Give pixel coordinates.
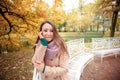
(25, 18)
(107, 34)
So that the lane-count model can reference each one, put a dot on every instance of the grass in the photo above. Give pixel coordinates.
(75, 35)
(16, 65)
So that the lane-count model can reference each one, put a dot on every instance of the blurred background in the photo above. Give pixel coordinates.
(20, 21)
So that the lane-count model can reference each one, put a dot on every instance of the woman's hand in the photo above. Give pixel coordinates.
(40, 34)
(39, 65)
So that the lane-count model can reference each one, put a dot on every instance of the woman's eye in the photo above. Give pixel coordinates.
(48, 30)
(45, 30)
(51, 30)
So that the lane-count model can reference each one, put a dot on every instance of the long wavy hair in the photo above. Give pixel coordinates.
(56, 37)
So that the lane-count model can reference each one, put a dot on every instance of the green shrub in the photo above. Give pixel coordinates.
(26, 44)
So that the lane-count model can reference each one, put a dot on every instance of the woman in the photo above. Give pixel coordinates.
(51, 56)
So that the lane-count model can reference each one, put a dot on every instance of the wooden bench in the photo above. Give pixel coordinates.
(78, 58)
(103, 47)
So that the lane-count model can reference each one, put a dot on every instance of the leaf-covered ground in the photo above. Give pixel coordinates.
(16, 65)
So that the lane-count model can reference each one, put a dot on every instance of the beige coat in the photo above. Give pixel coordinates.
(57, 68)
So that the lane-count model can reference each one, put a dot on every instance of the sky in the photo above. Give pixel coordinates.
(50, 2)
(68, 5)
(89, 1)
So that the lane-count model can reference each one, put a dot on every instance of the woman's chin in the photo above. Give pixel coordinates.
(49, 40)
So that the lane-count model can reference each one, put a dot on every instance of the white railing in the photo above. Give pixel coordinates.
(75, 46)
(78, 58)
(104, 47)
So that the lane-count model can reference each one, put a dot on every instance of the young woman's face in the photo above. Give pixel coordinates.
(47, 31)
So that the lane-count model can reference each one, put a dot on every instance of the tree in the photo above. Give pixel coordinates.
(110, 8)
(114, 17)
(56, 13)
(20, 18)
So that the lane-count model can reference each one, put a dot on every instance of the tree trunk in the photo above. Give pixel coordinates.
(114, 19)
(98, 26)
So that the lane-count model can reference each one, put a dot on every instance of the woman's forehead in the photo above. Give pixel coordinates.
(47, 25)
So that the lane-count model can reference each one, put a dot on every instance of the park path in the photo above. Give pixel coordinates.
(108, 70)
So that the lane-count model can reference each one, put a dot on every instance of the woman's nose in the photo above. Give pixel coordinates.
(48, 33)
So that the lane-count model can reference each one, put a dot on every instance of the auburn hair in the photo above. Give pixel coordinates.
(56, 37)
